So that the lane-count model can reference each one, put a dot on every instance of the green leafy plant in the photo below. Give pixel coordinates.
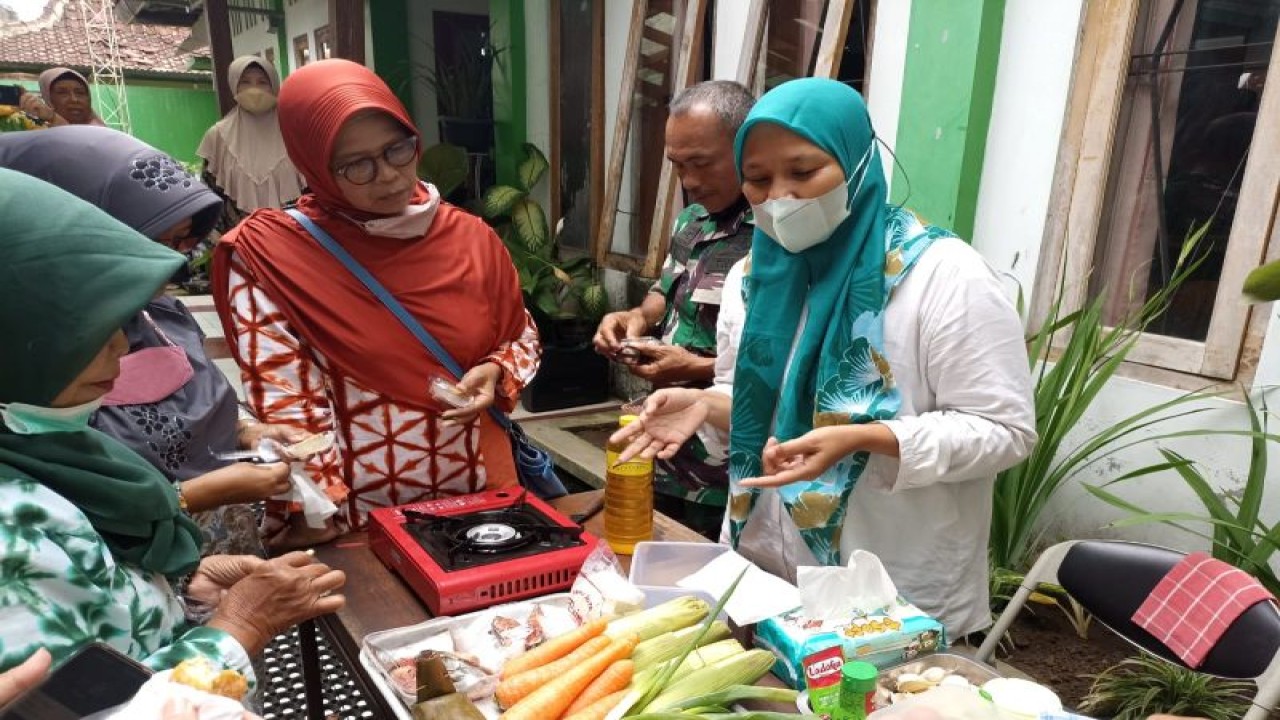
(555, 287)
(445, 166)
(1066, 386)
(463, 86)
(1233, 520)
(1137, 687)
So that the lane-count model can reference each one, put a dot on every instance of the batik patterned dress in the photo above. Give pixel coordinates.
(386, 454)
(61, 589)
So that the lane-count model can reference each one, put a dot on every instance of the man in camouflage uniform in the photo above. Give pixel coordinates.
(709, 236)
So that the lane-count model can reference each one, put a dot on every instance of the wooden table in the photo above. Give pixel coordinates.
(377, 599)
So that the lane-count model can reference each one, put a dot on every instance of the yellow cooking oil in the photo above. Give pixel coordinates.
(628, 497)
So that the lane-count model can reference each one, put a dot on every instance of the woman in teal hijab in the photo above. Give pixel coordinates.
(91, 535)
(882, 352)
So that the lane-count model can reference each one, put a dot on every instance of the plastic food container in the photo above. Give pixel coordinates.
(663, 564)
(1018, 699)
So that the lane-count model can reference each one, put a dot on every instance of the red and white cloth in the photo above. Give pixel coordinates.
(1194, 604)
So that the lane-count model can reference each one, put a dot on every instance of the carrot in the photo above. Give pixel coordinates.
(511, 690)
(550, 700)
(615, 677)
(555, 648)
(599, 709)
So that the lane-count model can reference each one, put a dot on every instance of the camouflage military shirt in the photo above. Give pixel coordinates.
(703, 248)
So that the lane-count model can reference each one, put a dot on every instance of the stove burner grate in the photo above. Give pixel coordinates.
(478, 538)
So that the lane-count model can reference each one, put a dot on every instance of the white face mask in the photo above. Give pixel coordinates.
(411, 224)
(798, 224)
(255, 100)
(24, 419)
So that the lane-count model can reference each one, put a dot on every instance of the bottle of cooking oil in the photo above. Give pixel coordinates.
(628, 498)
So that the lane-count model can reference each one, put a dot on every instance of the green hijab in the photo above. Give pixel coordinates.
(70, 276)
(838, 373)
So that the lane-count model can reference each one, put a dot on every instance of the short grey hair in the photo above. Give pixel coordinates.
(729, 100)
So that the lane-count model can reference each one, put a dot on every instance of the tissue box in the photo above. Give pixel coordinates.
(899, 633)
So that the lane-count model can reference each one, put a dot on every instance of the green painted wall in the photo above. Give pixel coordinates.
(169, 115)
(953, 48)
(389, 21)
(510, 107)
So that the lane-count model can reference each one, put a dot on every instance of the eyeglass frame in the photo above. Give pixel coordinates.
(383, 155)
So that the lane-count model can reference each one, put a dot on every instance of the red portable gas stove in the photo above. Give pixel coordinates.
(471, 551)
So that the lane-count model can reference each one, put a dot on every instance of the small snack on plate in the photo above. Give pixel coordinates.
(313, 445)
(201, 674)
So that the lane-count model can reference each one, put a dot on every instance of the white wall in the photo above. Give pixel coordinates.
(254, 41)
(538, 87)
(888, 66)
(1032, 86)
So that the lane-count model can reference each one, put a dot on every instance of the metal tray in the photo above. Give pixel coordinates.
(973, 671)
(407, 641)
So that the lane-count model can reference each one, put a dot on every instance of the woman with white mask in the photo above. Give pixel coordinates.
(870, 370)
(244, 155)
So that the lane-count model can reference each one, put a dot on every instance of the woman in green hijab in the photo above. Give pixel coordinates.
(91, 535)
(882, 352)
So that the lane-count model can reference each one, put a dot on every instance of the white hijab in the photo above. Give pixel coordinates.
(245, 152)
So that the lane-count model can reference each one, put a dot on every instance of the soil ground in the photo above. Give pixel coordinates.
(1048, 650)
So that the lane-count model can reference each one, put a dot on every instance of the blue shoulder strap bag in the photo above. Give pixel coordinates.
(533, 465)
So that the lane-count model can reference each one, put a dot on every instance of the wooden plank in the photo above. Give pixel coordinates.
(686, 69)
(756, 14)
(834, 32)
(621, 130)
(346, 17)
(1049, 270)
(1259, 196)
(1114, 30)
(597, 178)
(220, 42)
(1168, 352)
(553, 87)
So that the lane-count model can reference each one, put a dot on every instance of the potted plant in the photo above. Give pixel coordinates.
(564, 294)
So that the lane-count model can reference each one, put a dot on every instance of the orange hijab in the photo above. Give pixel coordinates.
(457, 280)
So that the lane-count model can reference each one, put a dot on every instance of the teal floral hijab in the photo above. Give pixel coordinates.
(70, 276)
(826, 302)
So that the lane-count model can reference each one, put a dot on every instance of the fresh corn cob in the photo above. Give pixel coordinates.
(672, 615)
(741, 669)
(668, 645)
(697, 659)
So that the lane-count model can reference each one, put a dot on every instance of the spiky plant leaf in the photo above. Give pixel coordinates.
(594, 301)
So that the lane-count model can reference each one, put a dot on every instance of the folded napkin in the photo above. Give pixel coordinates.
(1194, 604)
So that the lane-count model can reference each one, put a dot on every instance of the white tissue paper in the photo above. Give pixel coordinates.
(148, 703)
(316, 506)
(836, 593)
(758, 596)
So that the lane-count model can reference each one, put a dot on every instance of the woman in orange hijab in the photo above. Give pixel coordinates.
(319, 351)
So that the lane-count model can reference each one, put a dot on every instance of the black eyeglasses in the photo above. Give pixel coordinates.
(397, 154)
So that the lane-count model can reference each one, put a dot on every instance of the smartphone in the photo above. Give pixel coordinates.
(95, 679)
(11, 95)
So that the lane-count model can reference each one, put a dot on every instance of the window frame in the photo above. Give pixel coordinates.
(595, 171)
(302, 54)
(835, 30)
(1082, 179)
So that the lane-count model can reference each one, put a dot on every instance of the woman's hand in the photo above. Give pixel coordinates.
(23, 677)
(252, 433)
(216, 575)
(235, 484)
(480, 384)
(35, 106)
(276, 595)
(813, 453)
(669, 418)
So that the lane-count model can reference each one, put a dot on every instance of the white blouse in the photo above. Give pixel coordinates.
(955, 344)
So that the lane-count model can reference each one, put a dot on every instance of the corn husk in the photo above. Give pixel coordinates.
(739, 669)
(670, 616)
(668, 645)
